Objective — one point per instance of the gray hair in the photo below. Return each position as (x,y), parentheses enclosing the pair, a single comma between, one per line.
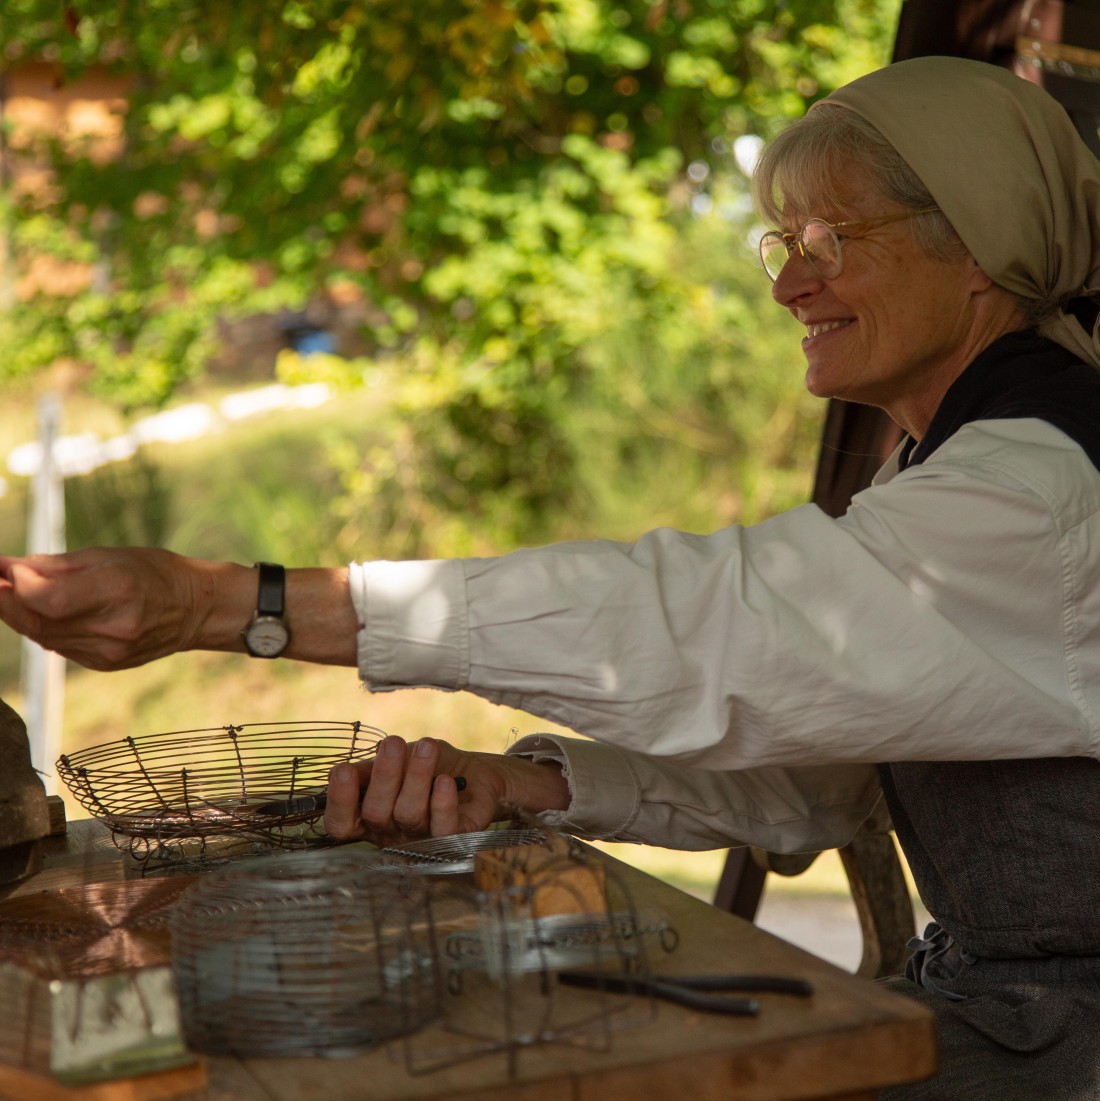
(807,163)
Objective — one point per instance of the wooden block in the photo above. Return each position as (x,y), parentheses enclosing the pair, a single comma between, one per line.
(55,808)
(18,1084)
(543,879)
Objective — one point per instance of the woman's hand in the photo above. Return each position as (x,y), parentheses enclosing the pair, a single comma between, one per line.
(112,608)
(116,607)
(408,792)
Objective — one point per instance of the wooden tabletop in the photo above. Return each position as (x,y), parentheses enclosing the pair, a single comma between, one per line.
(845,1041)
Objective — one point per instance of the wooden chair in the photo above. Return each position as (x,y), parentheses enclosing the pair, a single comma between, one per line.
(876,879)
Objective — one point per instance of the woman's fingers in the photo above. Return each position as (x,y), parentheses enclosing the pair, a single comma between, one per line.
(443,813)
(30,599)
(342,809)
(106,608)
(386,781)
(407,792)
(412,807)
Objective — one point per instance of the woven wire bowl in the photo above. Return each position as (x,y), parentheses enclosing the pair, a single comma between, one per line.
(189,786)
(309,953)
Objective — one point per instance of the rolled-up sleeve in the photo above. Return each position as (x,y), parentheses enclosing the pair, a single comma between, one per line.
(622,796)
(414,623)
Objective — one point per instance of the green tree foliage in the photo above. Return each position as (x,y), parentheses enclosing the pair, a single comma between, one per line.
(514,188)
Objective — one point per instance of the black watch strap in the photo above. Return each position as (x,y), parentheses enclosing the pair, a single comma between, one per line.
(272,589)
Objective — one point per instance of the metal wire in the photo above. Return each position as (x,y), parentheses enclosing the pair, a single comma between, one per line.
(95,929)
(501,949)
(304,954)
(160,792)
(85,984)
(454,854)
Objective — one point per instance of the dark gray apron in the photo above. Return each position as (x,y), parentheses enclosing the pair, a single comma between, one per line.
(1006,854)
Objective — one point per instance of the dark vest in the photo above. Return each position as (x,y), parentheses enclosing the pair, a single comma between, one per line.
(1006,854)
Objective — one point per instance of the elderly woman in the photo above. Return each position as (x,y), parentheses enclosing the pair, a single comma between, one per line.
(939,645)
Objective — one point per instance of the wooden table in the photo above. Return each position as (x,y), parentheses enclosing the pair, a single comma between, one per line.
(848,1039)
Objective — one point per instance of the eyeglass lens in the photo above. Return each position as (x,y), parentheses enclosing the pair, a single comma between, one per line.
(820,247)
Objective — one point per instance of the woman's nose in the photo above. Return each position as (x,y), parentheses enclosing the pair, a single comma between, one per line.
(796,280)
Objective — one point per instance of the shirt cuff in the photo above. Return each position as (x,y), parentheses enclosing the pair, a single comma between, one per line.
(414,620)
(605,794)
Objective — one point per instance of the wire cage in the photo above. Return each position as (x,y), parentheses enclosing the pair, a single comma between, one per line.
(167,794)
(537,903)
(325,953)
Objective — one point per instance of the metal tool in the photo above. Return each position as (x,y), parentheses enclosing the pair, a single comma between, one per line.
(313,804)
(706,993)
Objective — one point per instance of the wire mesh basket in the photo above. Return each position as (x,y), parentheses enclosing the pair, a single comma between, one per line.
(162,792)
(326,953)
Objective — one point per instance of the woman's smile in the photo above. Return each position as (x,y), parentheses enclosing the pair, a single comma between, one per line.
(817,329)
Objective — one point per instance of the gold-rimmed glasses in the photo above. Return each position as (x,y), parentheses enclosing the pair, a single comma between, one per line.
(819,243)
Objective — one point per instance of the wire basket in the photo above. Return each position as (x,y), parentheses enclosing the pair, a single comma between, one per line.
(163,792)
(531,908)
(304,954)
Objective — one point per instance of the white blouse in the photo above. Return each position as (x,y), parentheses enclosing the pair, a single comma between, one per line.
(739,685)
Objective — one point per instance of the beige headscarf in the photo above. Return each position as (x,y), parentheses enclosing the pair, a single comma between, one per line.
(1005,164)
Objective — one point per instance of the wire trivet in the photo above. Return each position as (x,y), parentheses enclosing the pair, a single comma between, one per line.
(324,953)
(454,854)
(94,929)
(160,793)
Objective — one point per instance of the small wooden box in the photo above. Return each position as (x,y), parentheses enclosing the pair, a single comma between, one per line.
(543,879)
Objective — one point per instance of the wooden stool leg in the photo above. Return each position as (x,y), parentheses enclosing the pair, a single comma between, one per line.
(741,884)
(882,901)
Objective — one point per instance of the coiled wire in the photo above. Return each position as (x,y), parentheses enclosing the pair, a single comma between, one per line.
(312,953)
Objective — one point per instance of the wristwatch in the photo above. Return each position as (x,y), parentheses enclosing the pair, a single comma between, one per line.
(268,633)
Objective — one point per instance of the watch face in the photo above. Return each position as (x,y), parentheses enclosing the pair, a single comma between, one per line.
(266,636)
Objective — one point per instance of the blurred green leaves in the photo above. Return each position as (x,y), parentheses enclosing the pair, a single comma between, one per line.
(503,185)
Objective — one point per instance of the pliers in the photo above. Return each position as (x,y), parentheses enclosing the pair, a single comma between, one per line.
(706,993)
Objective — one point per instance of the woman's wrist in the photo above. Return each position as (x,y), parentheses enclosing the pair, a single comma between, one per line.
(318,609)
(222,597)
(536,786)
(324,626)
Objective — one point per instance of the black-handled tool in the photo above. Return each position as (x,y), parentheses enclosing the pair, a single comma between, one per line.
(706,993)
(312,804)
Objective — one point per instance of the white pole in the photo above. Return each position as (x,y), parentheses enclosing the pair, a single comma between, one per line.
(44,671)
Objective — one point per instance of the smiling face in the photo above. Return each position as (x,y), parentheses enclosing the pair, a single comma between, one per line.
(897,326)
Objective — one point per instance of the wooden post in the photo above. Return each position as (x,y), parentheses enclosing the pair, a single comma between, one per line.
(7,259)
(43,671)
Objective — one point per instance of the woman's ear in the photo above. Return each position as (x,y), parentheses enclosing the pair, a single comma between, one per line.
(979,281)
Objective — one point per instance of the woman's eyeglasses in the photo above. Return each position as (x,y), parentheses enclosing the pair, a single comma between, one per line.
(819,243)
